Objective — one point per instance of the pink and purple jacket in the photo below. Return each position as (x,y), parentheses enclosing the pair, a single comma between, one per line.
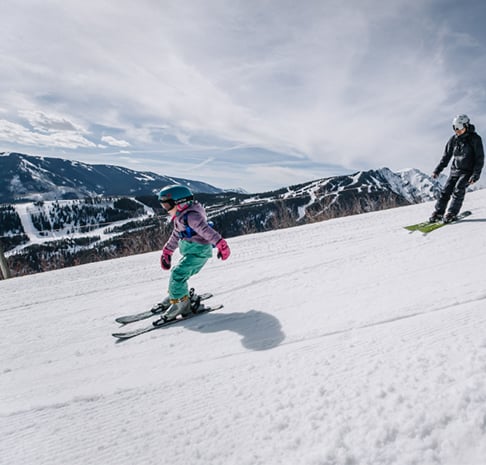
(195,216)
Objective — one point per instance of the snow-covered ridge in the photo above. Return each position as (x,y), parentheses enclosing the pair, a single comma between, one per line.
(28,178)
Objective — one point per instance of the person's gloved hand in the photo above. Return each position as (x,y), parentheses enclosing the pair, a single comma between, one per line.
(474,178)
(223,249)
(166,258)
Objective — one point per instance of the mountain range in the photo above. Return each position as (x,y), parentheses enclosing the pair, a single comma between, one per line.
(104,211)
(33,178)
(27,177)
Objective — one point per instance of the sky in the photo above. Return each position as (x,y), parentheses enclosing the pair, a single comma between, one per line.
(241,93)
(342,342)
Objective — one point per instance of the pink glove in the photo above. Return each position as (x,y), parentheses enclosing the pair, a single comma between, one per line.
(223,249)
(166,258)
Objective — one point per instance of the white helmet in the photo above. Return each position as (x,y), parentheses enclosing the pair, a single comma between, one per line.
(460,122)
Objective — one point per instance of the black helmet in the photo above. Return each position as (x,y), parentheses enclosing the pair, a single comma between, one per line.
(175,194)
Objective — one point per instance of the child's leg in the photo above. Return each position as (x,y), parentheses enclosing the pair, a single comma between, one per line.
(194,257)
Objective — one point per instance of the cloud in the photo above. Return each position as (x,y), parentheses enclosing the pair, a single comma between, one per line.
(203,163)
(115,142)
(358,84)
(49,123)
(44,130)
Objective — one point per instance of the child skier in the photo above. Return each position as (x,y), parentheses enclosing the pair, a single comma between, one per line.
(466,150)
(195,239)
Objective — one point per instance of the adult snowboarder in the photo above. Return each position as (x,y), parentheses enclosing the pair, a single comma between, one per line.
(195,239)
(465,147)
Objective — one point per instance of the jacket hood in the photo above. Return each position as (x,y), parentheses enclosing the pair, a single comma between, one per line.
(193,206)
(471,129)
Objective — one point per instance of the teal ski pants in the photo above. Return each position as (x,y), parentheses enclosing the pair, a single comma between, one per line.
(194,257)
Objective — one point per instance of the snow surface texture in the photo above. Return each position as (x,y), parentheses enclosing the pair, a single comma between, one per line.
(344,342)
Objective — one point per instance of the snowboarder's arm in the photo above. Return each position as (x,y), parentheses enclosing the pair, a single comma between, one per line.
(445,158)
(479,159)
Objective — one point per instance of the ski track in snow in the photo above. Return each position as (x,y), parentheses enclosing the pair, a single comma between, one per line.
(344,342)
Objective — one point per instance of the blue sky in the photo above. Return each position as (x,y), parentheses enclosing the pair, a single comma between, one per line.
(241,93)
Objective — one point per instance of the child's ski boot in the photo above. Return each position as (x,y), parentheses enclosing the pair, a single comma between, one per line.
(161,306)
(178,307)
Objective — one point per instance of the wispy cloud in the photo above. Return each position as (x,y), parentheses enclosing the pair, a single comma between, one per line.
(115,142)
(358,84)
(49,123)
(65,139)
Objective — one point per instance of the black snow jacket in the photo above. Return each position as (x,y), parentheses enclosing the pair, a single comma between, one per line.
(467,153)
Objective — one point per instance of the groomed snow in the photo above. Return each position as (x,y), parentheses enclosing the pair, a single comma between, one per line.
(346,342)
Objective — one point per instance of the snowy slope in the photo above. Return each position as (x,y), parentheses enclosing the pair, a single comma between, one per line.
(70,225)
(344,342)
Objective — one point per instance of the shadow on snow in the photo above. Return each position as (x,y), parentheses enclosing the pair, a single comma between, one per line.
(258,330)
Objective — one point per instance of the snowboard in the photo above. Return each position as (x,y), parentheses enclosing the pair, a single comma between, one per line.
(427,227)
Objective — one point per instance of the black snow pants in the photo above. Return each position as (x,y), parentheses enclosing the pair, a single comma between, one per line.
(454,187)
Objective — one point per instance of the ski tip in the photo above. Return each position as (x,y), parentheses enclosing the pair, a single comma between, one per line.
(120,337)
(210,308)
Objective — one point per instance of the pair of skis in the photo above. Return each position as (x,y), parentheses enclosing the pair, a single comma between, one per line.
(196,304)
(428,226)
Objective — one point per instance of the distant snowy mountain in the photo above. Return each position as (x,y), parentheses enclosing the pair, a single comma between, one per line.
(413,185)
(27,177)
(323,199)
(417,186)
